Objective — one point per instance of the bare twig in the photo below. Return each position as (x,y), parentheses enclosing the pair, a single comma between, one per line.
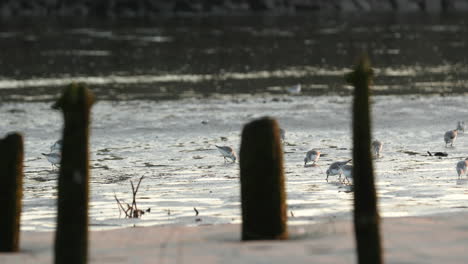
(132,211)
(121,206)
(138,185)
(134,195)
(133,188)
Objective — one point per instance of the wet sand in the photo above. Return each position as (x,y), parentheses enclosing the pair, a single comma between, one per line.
(173,143)
(431,239)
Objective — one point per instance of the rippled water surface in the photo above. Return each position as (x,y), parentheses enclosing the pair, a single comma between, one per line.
(170,89)
(176,57)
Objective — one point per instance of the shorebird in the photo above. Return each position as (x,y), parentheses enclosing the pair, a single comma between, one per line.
(450,137)
(282,134)
(335,168)
(296,89)
(377,147)
(461,167)
(461,126)
(312,156)
(57,146)
(227,152)
(347,172)
(53,158)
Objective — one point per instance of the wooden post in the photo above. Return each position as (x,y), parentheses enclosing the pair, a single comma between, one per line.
(71,238)
(262,182)
(11,191)
(366,216)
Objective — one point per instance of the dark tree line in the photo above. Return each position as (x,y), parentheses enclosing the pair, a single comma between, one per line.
(141,8)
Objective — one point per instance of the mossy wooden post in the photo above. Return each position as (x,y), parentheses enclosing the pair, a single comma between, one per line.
(71,237)
(262,182)
(366,216)
(11,191)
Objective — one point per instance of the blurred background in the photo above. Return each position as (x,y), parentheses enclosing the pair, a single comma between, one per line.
(132,49)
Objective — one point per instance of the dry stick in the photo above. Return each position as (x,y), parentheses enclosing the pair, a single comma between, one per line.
(366,217)
(263,193)
(138,185)
(71,237)
(133,200)
(11,191)
(121,206)
(134,212)
(138,212)
(135,191)
(129,208)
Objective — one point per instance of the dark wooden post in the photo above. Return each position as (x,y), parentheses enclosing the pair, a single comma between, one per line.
(11,191)
(71,238)
(366,216)
(262,182)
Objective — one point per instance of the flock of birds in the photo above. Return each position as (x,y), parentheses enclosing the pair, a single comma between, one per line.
(340,168)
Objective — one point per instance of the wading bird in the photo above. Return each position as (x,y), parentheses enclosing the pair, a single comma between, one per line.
(227,152)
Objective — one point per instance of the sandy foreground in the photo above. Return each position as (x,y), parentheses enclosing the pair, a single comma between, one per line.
(429,239)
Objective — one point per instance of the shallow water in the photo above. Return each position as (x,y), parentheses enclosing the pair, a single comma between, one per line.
(171,143)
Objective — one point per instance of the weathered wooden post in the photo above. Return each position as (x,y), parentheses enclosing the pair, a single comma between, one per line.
(263,194)
(11,191)
(366,216)
(71,238)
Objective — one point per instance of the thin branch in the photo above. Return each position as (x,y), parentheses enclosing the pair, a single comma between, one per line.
(133,188)
(135,191)
(132,210)
(138,186)
(120,205)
